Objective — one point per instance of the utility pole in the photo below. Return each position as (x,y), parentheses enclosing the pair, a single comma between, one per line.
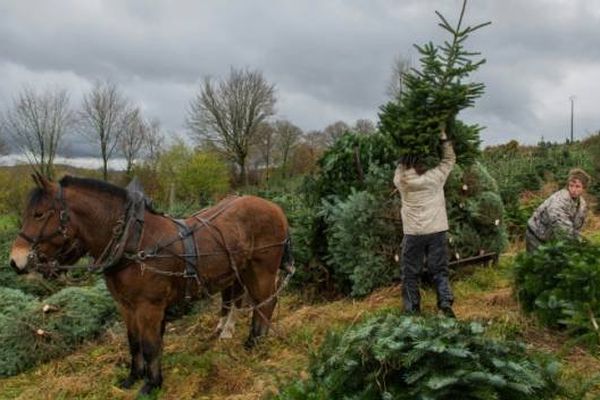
(572,99)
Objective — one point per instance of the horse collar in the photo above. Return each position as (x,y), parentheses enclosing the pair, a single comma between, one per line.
(126,235)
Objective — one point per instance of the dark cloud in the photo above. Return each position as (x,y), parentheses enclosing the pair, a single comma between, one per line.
(330,60)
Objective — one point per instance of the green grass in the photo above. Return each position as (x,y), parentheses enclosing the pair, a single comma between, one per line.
(8,222)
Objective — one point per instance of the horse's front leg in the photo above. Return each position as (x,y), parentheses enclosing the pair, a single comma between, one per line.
(151,323)
(136,370)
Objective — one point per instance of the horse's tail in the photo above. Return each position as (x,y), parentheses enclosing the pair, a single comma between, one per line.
(287,259)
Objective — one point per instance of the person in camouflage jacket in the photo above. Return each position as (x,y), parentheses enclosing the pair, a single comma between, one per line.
(563,213)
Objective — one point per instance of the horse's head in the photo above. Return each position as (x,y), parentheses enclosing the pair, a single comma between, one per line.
(48,235)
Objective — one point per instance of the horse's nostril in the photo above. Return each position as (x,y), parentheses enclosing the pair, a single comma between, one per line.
(14,266)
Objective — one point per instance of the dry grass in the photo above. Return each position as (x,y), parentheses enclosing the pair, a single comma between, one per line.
(198,367)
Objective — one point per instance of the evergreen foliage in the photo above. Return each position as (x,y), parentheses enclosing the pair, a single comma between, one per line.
(399,357)
(560,283)
(475,212)
(356,236)
(520,171)
(32,331)
(303,222)
(353,192)
(592,146)
(433,96)
(346,164)
(359,249)
(31,284)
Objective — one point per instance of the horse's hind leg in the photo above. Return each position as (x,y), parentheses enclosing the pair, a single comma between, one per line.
(230,300)
(261,321)
(261,283)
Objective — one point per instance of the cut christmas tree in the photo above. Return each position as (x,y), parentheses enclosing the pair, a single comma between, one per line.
(434,95)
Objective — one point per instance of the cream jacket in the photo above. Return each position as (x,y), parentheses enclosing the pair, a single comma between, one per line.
(423,201)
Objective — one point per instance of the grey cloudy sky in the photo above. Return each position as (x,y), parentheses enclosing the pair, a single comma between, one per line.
(329,59)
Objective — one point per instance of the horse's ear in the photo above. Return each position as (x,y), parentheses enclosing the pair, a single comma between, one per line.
(43,182)
(36,180)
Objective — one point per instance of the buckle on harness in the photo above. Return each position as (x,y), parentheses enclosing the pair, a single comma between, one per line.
(141,255)
(189,273)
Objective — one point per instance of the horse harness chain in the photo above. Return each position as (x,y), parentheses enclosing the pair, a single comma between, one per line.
(191,255)
(126,240)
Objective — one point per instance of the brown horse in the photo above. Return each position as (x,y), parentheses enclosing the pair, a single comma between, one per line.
(150,261)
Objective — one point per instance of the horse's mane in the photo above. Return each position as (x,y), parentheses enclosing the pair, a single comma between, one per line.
(35,196)
(94,184)
(103,187)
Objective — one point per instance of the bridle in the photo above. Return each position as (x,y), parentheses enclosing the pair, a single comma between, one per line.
(63,219)
(68,246)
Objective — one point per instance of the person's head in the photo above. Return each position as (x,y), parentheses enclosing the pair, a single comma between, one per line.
(411,161)
(577,182)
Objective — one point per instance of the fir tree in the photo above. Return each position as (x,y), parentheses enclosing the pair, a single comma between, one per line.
(434,95)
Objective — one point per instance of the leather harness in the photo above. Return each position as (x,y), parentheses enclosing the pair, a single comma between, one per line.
(127,235)
(190,253)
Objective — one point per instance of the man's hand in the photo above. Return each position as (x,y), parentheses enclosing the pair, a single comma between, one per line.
(443,135)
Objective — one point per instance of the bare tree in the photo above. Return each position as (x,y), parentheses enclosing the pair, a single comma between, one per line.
(287,136)
(229,112)
(334,131)
(364,126)
(400,67)
(315,140)
(265,143)
(3,145)
(37,123)
(104,119)
(133,138)
(154,142)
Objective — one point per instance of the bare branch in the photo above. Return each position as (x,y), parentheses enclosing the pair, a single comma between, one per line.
(287,137)
(134,137)
(104,118)
(37,122)
(227,113)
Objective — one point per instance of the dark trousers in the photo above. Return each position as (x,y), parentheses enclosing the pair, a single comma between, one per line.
(415,248)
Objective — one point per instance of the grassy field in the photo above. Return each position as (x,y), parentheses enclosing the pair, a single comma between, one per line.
(197,366)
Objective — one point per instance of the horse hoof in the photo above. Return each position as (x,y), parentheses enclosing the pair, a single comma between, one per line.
(147,390)
(127,383)
(226,334)
(250,343)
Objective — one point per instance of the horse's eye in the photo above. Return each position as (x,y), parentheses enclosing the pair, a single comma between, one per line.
(38,215)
